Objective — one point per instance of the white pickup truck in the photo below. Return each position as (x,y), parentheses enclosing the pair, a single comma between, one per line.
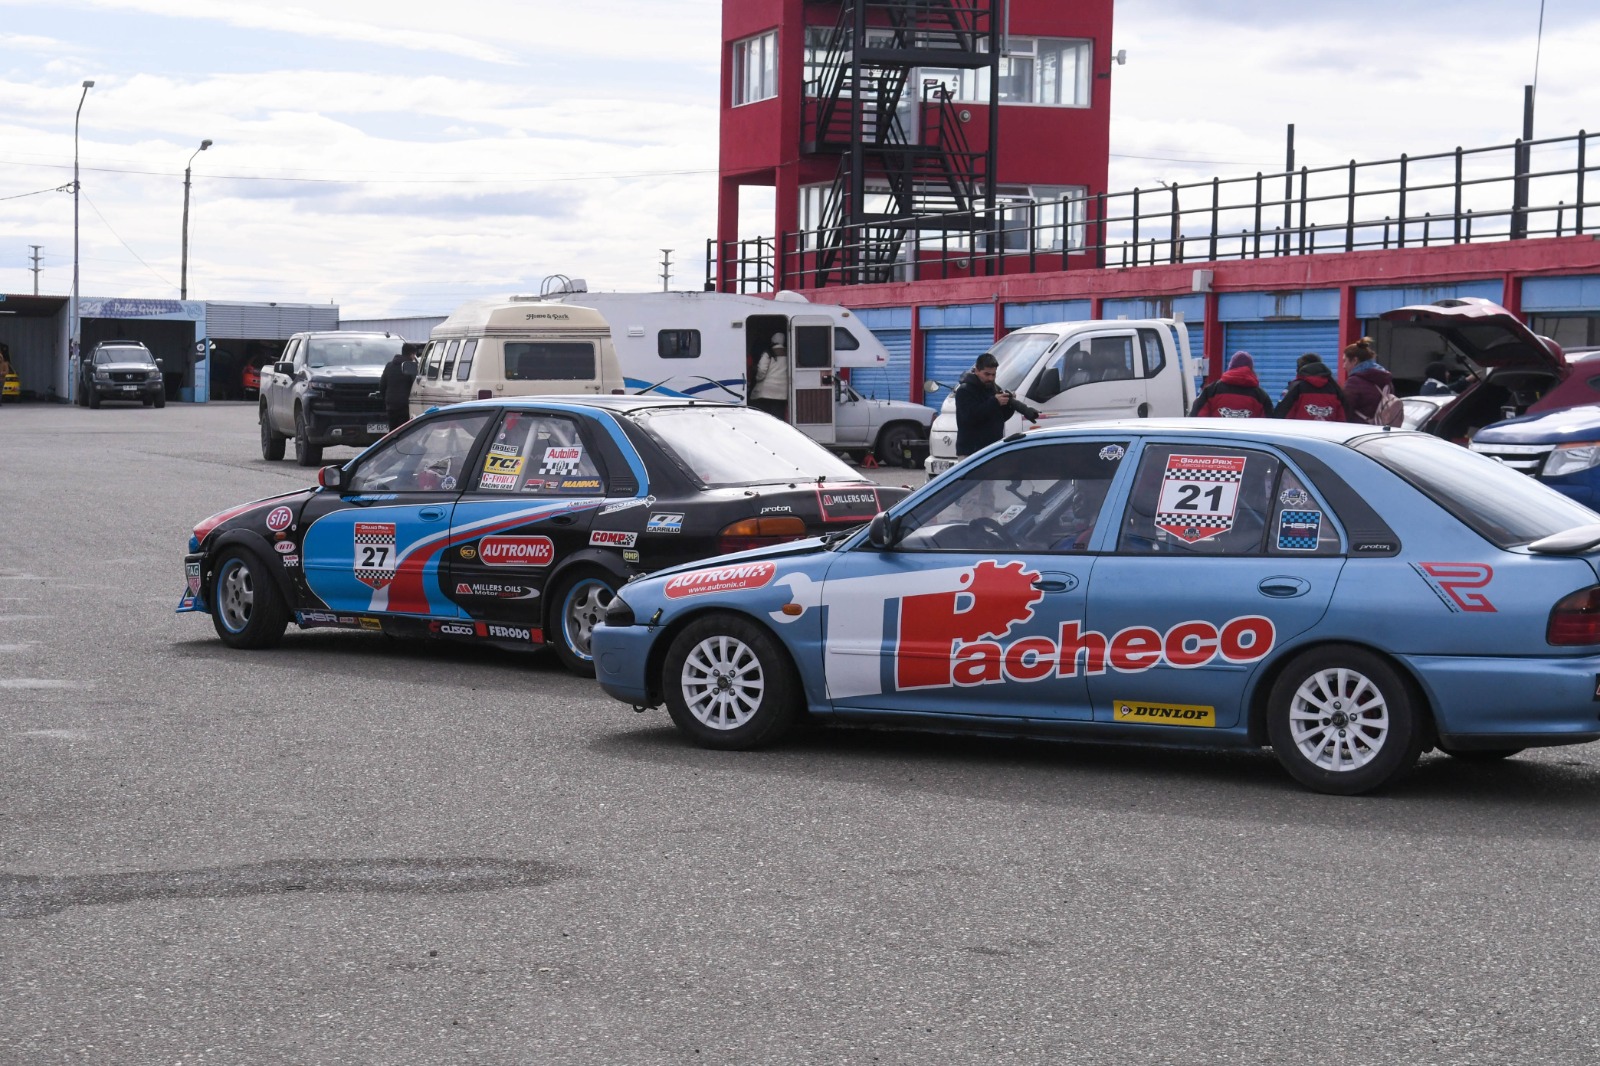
(1081,371)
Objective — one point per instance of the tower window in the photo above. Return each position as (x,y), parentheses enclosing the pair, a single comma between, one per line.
(755,68)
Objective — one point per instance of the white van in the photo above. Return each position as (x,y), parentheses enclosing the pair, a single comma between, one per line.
(1078,371)
(516,346)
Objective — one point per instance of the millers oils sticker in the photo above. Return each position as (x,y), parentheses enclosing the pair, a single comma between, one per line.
(375,553)
(1163,714)
(1199,495)
(853,503)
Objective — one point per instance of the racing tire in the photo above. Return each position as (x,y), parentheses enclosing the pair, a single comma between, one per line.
(730,685)
(92,399)
(892,440)
(1342,721)
(305,453)
(272,441)
(1483,754)
(247,610)
(579,605)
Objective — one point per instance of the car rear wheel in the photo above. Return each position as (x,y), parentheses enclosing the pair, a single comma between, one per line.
(581,604)
(305,453)
(247,609)
(1342,721)
(892,442)
(272,441)
(729,684)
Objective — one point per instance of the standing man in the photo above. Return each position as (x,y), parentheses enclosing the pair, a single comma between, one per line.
(771,390)
(983,408)
(395,384)
(1236,394)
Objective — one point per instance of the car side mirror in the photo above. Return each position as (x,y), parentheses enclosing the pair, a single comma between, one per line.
(331,477)
(283,368)
(884,532)
(931,386)
(161,364)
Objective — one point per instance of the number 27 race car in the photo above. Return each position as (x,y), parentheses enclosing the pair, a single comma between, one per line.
(516,523)
(1347,596)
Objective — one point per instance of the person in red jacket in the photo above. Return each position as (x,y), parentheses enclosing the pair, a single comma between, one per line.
(1364,381)
(1313,395)
(1236,394)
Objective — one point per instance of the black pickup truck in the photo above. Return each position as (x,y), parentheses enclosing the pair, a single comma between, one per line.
(324,391)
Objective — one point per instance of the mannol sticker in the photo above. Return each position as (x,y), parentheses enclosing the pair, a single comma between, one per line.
(1163,713)
(720,579)
(516,551)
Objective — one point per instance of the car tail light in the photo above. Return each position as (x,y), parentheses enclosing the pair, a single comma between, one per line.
(759,532)
(1575,619)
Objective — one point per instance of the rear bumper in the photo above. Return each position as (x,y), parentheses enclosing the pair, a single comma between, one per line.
(1488,702)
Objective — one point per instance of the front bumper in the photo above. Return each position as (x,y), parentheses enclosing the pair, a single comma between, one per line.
(935,465)
(193,598)
(620,657)
(128,390)
(358,429)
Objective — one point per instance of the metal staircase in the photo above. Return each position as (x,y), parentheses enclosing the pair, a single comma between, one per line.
(929,179)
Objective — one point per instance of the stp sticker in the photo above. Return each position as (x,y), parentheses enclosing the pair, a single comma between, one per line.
(1163,714)
(611,538)
(279,519)
(516,551)
(1199,495)
(720,579)
(375,555)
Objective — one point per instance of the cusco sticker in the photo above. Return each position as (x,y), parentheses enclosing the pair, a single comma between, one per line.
(375,554)
(1299,531)
(720,579)
(279,519)
(1199,495)
(1163,714)
(1454,583)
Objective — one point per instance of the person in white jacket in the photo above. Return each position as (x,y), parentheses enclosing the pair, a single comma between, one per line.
(771,390)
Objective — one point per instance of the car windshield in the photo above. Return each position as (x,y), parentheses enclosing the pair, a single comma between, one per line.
(1503,506)
(123,355)
(351,351)
(1017,354)
(727,445)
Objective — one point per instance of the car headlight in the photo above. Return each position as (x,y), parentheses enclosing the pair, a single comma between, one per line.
(1572,459)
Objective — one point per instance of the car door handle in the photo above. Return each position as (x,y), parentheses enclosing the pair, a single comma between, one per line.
(561,520)
(1055,582)
(431,514)
(1284,588)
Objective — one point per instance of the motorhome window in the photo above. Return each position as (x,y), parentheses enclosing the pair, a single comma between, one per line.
(811,347)
(449,360)
(844,340)
(351,351)
(464,364)
(550,361)
(1155,356)
(723,445)
(1017,354)
(678,344)
(435,353)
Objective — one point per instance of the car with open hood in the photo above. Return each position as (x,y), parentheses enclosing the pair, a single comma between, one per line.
(515,522)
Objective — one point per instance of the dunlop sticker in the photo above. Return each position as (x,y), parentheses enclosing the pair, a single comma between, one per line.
(1163,714)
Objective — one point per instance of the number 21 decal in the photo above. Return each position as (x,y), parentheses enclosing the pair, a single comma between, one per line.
(1199,495)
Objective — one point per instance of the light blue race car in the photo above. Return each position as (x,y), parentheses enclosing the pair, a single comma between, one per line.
(1351,597)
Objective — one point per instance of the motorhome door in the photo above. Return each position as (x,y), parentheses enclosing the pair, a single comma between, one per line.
(811,377)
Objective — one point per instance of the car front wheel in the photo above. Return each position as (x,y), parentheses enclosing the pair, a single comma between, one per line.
(305,453)
(247,609)
(580,605)
(91,397)
(729,684)
(1342,721)
(271,440)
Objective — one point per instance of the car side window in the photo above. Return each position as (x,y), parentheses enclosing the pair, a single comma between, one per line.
(435,353)
(426,456)
(449,360)
(1300,525)
(1155,356)
(1062,371)
(299,356)
(1112,358)
(541,455)
(469,347)
(1200,500)
(1043,499)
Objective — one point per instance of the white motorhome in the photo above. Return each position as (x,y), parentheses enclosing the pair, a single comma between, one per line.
(1082,371)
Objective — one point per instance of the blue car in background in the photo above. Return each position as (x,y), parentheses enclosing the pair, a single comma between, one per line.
(1351,597)
(1558,440)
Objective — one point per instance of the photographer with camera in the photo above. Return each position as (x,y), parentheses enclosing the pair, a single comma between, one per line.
(982,408)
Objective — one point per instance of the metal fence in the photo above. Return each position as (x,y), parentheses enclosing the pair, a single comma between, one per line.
(1536,188)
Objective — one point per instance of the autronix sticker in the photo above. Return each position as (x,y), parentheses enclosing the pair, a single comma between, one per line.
(720,579)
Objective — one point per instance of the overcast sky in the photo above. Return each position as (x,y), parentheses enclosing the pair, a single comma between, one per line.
(398,158)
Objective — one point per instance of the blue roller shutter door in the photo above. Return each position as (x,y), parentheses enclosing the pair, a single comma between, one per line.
(1275,346)
(891,382)
(949,353)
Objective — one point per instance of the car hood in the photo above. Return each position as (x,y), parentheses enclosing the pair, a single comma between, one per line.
(1484,332)
(125,366)
(347,373)
(1552,427)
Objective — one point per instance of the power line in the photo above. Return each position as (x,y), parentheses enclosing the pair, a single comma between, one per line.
(124,243)
(59,188)
(377,181)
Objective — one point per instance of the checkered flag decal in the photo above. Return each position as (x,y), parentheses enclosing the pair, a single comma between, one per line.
(374,543)
(1213,475)
(1308,520)
(560,462)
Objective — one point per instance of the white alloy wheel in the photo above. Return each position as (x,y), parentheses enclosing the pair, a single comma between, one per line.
(722,682)
(1339,719)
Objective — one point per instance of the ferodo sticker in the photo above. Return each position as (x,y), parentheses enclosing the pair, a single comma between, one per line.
(559,461)
(1163,714)
(516,551)
(611,538)
(1199,495)
(279,519)
(720,579)
(854,503)
(374,553)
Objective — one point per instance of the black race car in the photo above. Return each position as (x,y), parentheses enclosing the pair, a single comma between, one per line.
(515,522)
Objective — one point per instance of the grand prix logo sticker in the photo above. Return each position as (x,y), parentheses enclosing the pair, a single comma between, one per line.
(720,579)
(375,555)
(1454,583)
(1199,495)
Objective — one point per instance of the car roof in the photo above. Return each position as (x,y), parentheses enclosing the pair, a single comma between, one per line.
(1263,430)
(120,344)
(617,404)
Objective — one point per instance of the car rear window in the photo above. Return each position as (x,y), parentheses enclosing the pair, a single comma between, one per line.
(549,361)
(1503,506)
(726,445)
(351,351)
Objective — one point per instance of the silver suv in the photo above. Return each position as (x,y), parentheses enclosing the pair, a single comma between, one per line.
(121,370)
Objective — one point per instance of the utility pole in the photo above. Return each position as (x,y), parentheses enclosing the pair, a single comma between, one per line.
(35,258)
(1288,185)
(666,269)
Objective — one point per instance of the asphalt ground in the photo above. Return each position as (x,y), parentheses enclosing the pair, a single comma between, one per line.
(353,850)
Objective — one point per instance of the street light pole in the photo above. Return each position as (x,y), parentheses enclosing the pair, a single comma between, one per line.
(183,278)
(75,326)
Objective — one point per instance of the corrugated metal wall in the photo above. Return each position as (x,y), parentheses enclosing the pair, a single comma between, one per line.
(413,328)
(949,353)
(892,382)
(232,321)
(1275,346)
(33,343)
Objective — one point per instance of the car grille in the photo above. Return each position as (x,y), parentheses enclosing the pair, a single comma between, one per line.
(350,399)
(131,377)
(1528,458)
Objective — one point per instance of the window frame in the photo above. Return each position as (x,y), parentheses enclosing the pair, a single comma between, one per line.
(765,45)
(679,350)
